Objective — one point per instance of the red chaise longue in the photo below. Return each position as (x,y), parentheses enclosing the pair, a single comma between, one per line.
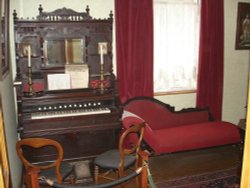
(170,131)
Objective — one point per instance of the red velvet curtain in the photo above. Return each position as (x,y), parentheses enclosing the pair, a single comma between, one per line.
(211,57)
(134,47)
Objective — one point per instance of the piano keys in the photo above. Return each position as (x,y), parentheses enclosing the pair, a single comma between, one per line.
(69,109)
(69,113)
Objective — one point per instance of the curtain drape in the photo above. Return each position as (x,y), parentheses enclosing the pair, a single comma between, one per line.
(134,47)
(211,65)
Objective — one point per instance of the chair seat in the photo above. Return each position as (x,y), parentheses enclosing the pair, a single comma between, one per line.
(111,160)
(65,169)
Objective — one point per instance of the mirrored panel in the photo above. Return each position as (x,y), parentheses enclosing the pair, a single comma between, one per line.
(58,52)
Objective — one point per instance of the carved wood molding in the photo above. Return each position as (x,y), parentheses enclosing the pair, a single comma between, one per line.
(63,14)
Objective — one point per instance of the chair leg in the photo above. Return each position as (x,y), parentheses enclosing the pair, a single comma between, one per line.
(137,182)
(137,178)
(120,173)
(96,174)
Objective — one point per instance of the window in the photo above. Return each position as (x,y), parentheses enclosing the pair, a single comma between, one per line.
(176,39)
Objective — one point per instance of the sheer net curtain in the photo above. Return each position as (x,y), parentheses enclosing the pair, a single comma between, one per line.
(176,34)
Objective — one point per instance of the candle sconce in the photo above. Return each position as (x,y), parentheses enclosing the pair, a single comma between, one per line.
(27,53)
(102,50)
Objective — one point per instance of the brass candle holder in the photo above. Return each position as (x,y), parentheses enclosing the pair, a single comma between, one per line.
(27,52)
(102,79)
(30,82)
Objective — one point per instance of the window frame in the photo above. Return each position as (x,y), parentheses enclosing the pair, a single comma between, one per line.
(183,91)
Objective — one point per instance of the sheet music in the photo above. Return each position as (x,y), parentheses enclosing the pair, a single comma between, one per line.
(79,74)
(58,81)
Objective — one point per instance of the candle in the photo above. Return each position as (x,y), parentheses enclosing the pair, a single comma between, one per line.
(29,55)
(101,54)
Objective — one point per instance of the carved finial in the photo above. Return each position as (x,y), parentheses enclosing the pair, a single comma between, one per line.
(14,14)
(87,9)
(40,9)
(111,15)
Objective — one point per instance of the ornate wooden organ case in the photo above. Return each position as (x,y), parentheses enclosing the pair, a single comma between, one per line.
(66,89)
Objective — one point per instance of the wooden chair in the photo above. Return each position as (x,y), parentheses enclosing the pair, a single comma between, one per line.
(33,174)
(119,160)
(55,170)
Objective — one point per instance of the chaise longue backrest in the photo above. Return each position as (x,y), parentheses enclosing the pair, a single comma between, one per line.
(158,115)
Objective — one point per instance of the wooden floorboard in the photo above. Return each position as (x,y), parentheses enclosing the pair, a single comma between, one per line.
(188,163)
(181,164)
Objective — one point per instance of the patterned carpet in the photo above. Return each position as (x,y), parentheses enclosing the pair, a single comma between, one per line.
(220,179)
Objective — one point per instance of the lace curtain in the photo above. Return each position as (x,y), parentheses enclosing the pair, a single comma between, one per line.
(176,39)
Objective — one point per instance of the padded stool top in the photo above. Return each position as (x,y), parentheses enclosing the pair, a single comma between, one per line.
(111,160)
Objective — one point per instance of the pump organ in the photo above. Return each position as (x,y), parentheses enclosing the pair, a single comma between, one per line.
(86,121)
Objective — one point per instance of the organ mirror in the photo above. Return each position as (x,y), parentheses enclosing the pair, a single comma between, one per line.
(64,51)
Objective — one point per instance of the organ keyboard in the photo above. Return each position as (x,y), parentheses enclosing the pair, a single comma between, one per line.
(69,113)
(69,109)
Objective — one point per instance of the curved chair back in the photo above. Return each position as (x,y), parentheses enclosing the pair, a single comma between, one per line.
(135,148)
(39,143)
(119,160)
